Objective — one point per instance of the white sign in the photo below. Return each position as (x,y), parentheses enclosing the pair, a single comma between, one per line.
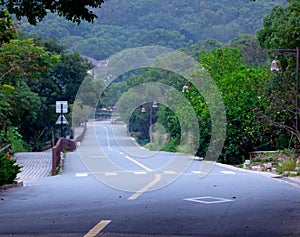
(61,120)
(62,106)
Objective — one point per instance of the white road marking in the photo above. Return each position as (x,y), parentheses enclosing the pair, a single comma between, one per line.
(140,172)
(169,172)
(81,174)
(198,172)
(227,172)
(111,173)
(208,200)
(107,138)
(96,157)
(97,228)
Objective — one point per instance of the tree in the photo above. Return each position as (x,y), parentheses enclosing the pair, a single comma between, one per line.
(35,74)
(36,10)
(197,48)
(61,82)
(69,74)
(7,28)
(22,65)
(253,54)
(21,60)
(122,24)
(281,28)
(281,31)
(241,89)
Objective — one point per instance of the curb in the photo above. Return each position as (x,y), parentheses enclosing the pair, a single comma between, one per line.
(280,178)
(18,183)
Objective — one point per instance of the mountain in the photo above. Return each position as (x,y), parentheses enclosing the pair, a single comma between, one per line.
(125,24)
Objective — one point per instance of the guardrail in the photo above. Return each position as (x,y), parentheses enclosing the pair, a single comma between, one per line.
(64,144)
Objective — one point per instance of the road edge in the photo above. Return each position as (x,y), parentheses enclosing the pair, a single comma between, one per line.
(288,180)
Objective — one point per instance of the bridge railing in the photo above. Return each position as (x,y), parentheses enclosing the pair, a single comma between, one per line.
(64,144)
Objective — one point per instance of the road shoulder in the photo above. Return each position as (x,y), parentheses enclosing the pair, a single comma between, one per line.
(293,181)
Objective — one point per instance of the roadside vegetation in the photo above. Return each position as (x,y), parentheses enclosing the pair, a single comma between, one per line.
(8,169)
(38,70)
(260,104)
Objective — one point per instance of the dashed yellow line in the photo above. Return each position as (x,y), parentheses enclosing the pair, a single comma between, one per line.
(138,163)
(146,188)
(97,228)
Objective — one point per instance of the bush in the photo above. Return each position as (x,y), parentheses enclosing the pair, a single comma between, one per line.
(8,170)
(287,165)
(171,146)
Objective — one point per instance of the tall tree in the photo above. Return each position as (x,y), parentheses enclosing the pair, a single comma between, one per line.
(21,65)
(36,10)
(7,27)
(253,54)
(281,30)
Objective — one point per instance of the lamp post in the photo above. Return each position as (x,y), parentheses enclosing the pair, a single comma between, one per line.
(276,67)
(143,110)
(185,88)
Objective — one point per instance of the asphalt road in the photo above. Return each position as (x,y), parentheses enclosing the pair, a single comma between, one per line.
(111,187)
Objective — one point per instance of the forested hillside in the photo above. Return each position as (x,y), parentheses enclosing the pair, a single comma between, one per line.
(226,36)
(173,23)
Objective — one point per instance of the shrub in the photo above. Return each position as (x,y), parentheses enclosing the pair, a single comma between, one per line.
(287,165)
(8,170)
(171,146)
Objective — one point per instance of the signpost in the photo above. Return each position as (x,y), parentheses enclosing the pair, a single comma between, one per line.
(61,108)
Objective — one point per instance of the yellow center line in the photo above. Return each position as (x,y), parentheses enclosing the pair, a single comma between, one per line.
(146,188)
(138,163)
(97,228)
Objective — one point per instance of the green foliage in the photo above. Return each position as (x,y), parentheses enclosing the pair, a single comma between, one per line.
(81,114)
(287,165)
(14,138)
(35,11)
(241,89)
(7,28)
(69,73)
(169,23)
(171,145)
(21,60)
(253,54)
(281,27)
(262,160)
(8,170)
(35,74)
(281,31)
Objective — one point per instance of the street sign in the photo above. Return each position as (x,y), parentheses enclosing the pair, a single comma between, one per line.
(61,107)
(61,120)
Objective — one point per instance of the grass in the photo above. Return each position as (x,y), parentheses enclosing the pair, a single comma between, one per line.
(58,170)
(287,165)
